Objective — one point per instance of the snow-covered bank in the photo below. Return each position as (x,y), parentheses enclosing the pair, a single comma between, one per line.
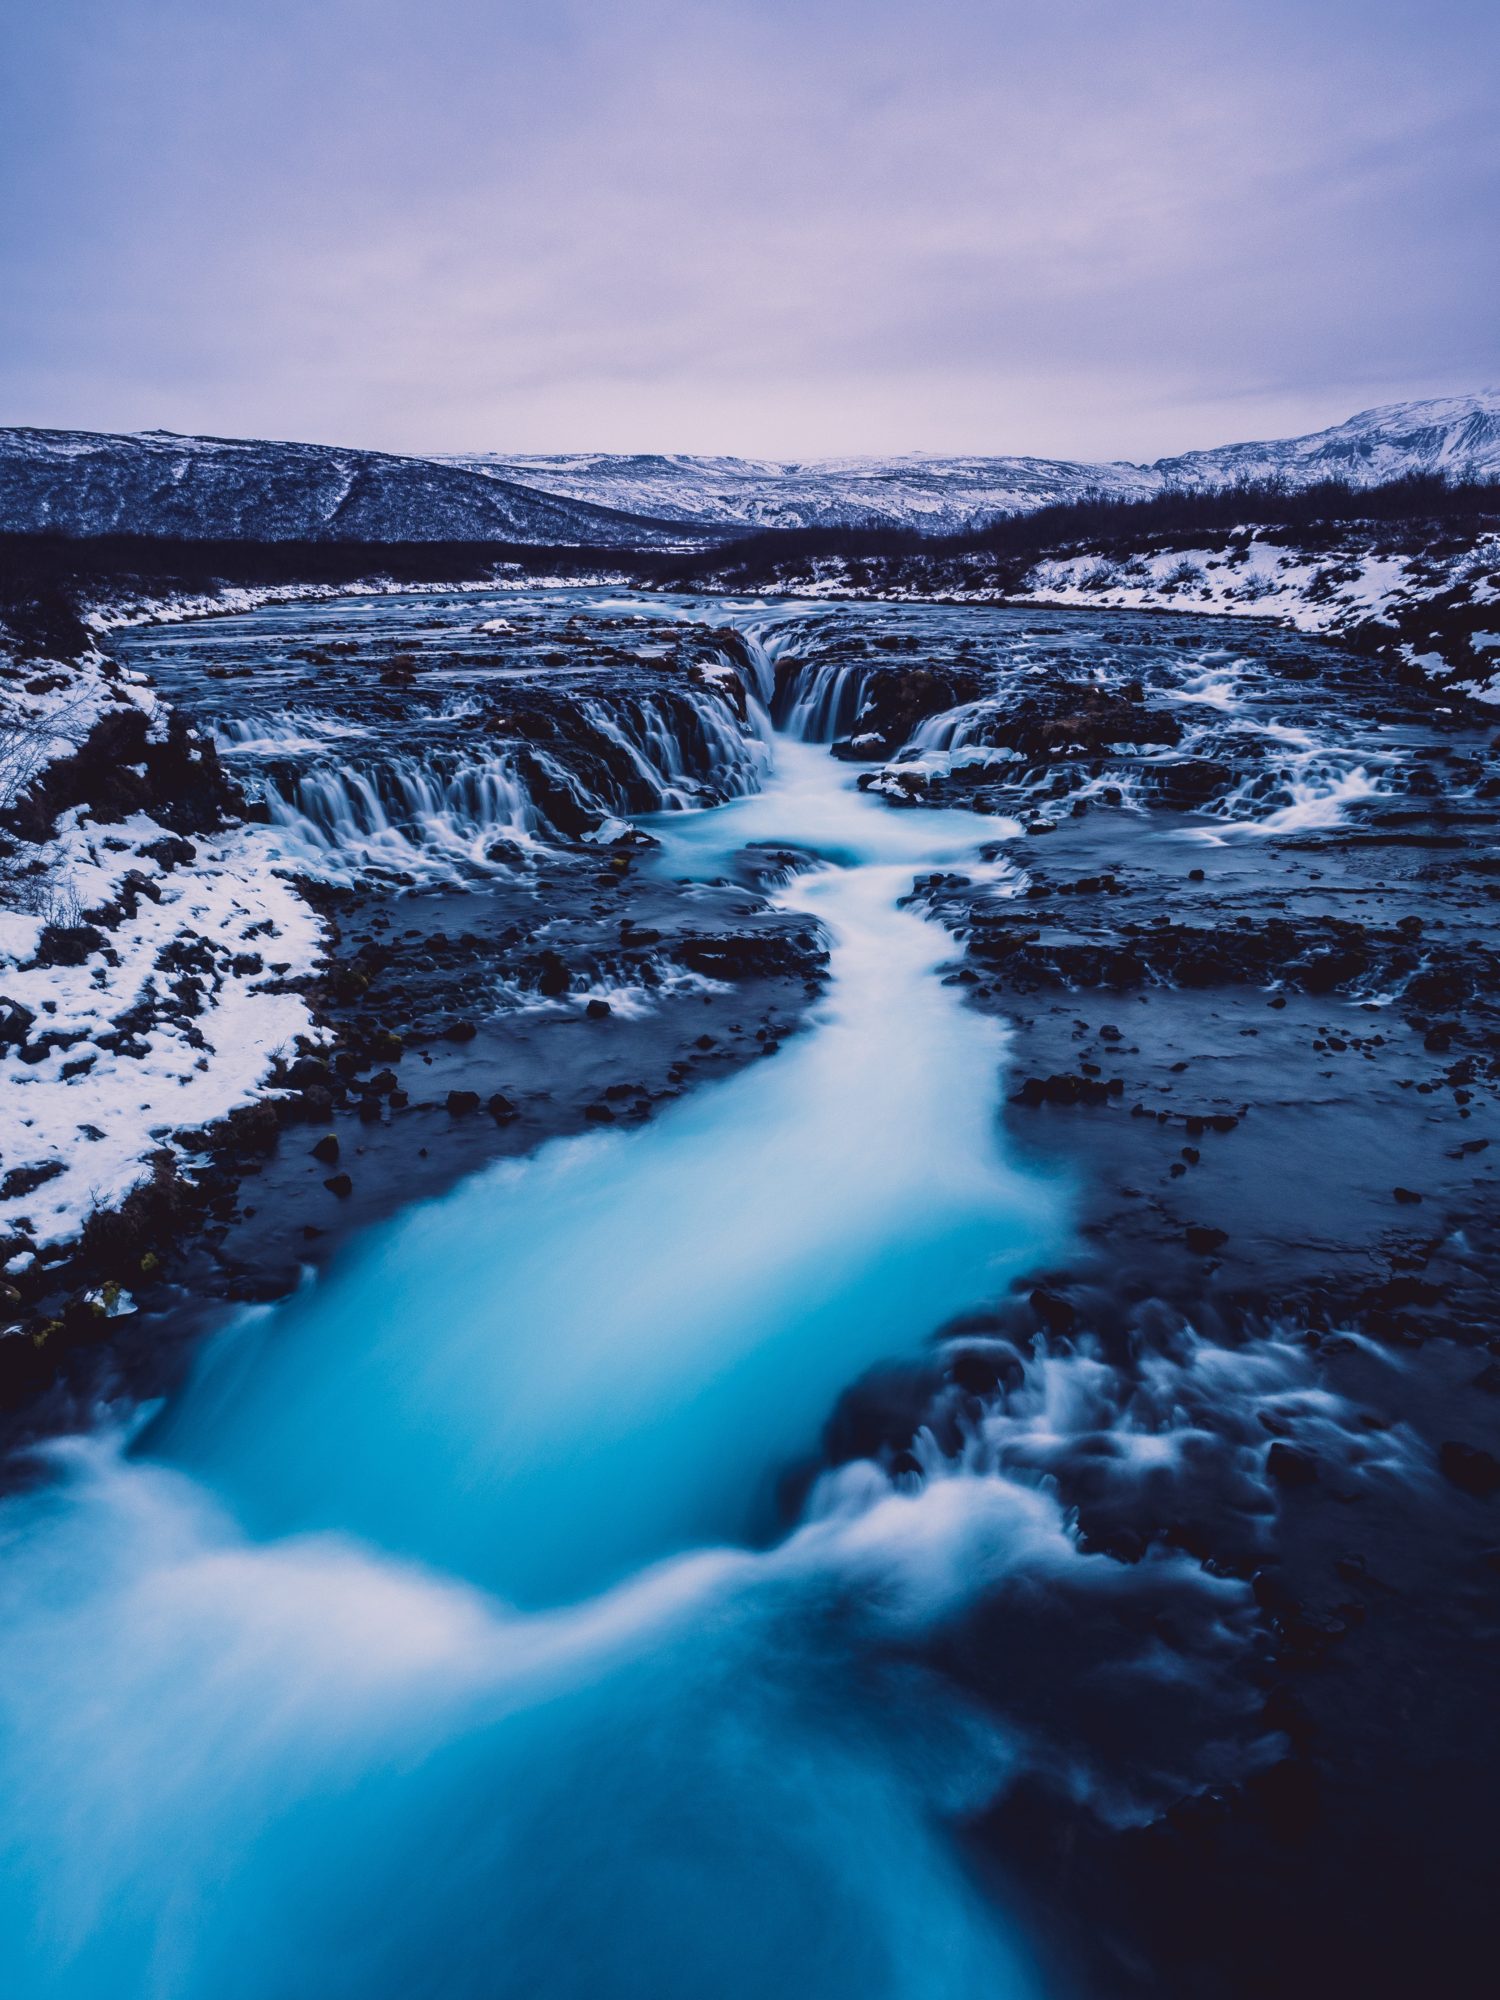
(1428,597)
(1359,587)
(147,947)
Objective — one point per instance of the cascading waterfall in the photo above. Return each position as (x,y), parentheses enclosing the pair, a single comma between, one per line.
(951,729)
(407,812)
(819,701)
(444,813)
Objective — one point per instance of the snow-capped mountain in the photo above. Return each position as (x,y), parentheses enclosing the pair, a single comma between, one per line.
(1458,435)
(934,495)
(156,483)
(1455,435)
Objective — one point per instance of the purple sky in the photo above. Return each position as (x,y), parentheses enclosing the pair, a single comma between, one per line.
(794,228)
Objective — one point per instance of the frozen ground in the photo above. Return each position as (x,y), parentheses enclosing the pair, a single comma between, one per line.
(145,976)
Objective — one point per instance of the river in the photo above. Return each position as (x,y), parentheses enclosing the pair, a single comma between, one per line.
(597,1580)
(437,1641)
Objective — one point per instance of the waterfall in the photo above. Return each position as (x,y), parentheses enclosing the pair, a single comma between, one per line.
(447,812)
(419,815)
(820,700)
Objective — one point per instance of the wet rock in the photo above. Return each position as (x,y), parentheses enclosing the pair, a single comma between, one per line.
(326,1149)
(1289,1465)
(340,1185)
(462,1103)
(1056,1313)
(1203,1238)
(553,977)
(501,1109)
(1470,1468)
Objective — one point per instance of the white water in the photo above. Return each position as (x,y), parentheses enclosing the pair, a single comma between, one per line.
(441,814)
(393,1670)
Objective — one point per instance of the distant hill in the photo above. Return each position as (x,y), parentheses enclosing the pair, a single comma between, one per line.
(83,483)
(1459,435)
(86,484)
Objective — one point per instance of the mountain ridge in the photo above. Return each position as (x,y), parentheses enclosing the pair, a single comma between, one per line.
(948,493)
(171,485)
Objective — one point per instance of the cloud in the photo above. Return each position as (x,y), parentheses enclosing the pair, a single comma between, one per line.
(1076,227)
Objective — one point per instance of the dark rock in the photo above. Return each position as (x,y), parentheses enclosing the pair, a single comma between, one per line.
(16,1023)
(553,977)
(26,1180)
(339,1184)
(68,944)
(326,1149)
(1288,1465)
(171,851)
(1055,1312)
(462,1103)
(1203,1238)
(1470,1468)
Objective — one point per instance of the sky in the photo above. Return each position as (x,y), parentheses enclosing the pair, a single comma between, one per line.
(789,228)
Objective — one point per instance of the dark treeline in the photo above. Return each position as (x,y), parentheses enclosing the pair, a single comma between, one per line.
(44,577)
(1459,506)
(159,562)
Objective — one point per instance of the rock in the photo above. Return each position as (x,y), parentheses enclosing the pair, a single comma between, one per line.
(501,1109)
(1055,1312)
(67,944)
(752,955)
(458,1031)
(16,1023)
(598,1010)
(171,851)
(339,1184)
(1203,1237)
(26,1180)
(553,977)
(1406,1195)
(981,1371)
(326,1150)
(1288,1465)
(462,1103)
(1470,1468)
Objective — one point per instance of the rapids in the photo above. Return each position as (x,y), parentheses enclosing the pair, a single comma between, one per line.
(439,1640)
